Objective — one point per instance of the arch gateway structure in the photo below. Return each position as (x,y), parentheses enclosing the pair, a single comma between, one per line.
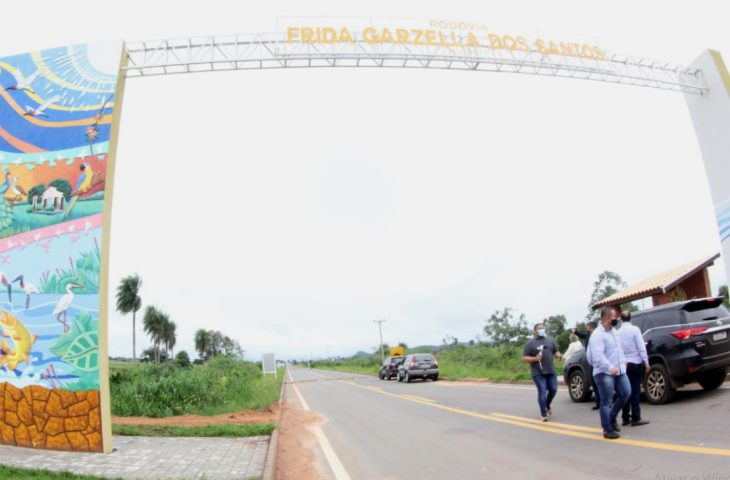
(59,117)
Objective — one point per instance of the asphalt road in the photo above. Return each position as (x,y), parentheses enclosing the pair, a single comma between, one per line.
(445,430)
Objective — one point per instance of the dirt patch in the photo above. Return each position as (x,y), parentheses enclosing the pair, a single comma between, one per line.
(268,415)
(295,457)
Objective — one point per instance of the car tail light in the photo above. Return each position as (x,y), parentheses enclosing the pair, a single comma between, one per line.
(693,368)
(685,334)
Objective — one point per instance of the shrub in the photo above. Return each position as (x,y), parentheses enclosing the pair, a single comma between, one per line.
(182,359)
(165,389)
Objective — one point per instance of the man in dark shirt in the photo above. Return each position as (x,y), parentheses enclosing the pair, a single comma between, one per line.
(587,337)
(539,353)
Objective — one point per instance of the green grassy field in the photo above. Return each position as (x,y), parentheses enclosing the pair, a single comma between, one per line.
(221,385)
(455,363)
(223,430)
(119,365)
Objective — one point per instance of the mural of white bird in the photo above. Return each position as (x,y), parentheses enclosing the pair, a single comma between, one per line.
(23,83)
(40,111)
(64,303)
(18,191)
(27,288)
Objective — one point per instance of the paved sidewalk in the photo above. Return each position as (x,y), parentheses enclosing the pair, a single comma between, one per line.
(155,458)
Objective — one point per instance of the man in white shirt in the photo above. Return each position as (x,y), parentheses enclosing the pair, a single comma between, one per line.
(637,363)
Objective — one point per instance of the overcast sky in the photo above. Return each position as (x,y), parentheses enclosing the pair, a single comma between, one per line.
(291,208)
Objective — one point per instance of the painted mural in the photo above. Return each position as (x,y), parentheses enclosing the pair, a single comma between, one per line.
(55,121)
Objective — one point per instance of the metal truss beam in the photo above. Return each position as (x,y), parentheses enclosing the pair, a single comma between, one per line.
(263,51)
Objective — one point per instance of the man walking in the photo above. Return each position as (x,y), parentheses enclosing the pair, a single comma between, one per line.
(637,362)
(609,370)
(539,353)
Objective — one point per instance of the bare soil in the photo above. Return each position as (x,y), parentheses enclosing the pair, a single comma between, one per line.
(295,457)
(244,417)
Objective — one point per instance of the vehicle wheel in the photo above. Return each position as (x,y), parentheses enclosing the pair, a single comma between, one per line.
(712,380)
(657,385)
(435,377)
(577,388)
(408,377)
(381,376)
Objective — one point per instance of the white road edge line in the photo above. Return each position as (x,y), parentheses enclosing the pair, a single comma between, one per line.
(329,453)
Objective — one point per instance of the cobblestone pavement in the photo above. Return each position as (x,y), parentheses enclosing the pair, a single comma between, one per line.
(155,458)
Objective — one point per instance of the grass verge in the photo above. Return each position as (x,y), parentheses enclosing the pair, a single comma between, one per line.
(15,473)
(224,430)
(220,385)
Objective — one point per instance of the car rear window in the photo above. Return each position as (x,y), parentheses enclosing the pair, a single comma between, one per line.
(711,313)
(427,357)
(665,318)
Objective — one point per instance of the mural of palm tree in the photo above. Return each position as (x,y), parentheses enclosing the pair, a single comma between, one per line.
(154,324)
(203,342)
(128,300)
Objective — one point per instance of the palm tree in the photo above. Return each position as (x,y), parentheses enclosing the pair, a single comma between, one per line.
(202,343)
(169,336)
(154,321)
(128,300)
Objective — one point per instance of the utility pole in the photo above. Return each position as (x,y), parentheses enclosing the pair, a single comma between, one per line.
(380,327)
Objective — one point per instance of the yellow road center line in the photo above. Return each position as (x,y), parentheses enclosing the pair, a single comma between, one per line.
(420,398)
(569,426)
(545,427)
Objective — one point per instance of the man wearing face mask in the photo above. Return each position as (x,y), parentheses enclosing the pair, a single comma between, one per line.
(539,353)
(606,355)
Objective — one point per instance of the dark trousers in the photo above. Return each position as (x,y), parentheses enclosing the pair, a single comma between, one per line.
(632,409)
(547,387)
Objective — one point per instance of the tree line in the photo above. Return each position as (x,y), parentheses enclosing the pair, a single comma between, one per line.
(163,331)
(507,327)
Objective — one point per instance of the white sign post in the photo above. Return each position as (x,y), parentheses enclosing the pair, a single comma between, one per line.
(268,363)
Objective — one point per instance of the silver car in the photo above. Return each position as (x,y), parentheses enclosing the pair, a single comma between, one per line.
(418,365)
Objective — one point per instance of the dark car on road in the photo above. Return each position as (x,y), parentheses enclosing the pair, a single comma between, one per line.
(389,368)
(418,365)
(686,342)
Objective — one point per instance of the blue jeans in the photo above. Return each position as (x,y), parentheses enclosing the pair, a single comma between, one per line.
(547,387)
(607,386)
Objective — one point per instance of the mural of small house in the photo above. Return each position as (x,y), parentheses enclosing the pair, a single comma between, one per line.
(51,199)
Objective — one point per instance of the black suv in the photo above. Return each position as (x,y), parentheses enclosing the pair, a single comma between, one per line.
(686,342)
(389,368)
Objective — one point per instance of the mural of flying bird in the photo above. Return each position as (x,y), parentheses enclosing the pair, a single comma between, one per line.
(41,110)
(23,83)
(82,185)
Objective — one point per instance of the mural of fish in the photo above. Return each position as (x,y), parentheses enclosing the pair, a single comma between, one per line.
(14,329)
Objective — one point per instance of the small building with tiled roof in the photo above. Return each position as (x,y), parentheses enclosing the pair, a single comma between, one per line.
(690,278)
